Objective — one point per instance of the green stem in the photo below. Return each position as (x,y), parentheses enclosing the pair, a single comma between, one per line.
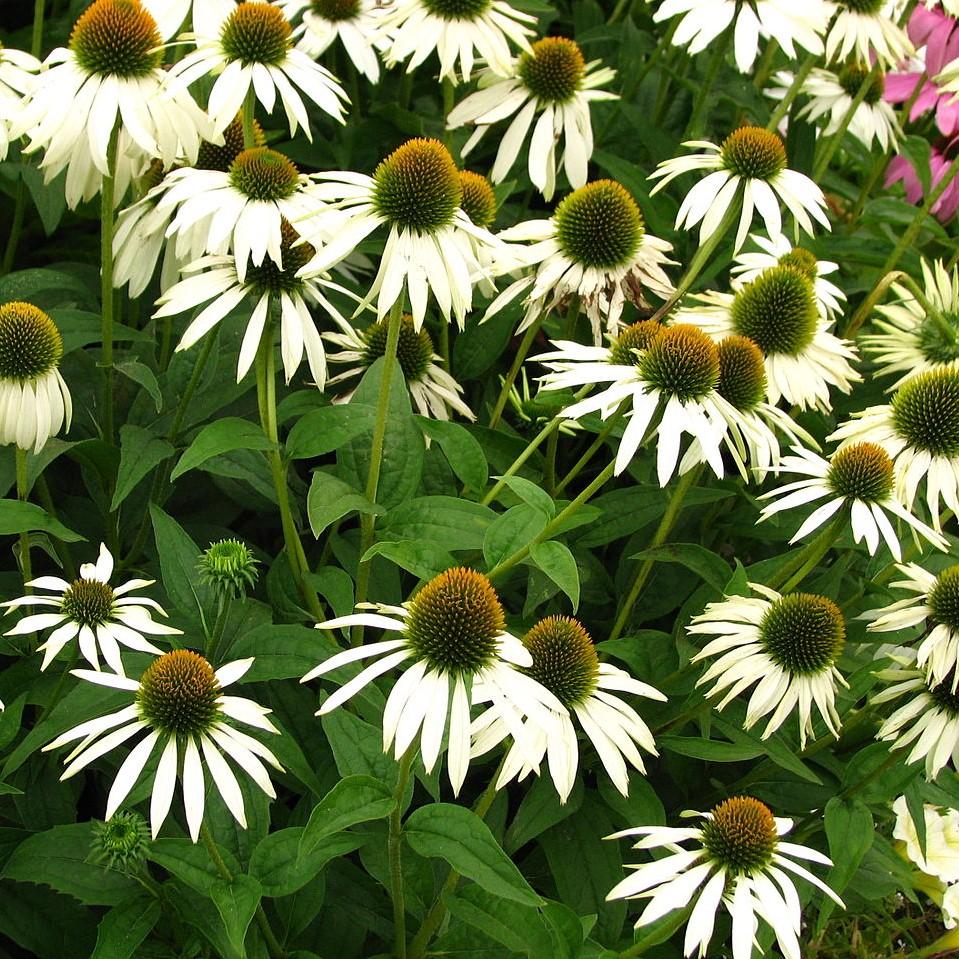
(36,38)
(266,400)
(46,500)
(273,946)
(554,524)
(219,628)
(875,175)
(787,101)
(192,385)
(20,456)
(686,482)
(16,226)
(367,521)
(705,91)
(832,144)
(395,847)
(867,305)
(514,369)
(106,281)
(618,11)
(549,478)
(806,559)
(593,448)
(247,117)
(551,427)
(765,68)
(449,101)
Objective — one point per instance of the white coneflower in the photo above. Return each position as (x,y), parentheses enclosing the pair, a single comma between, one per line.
(110,80)
(17,74)
(737,860)
(778,311)
(34,399)
(355,23)
(831,94)
(934,604)
(434,392)
(788,24)
(565,663)
(268,286)
(102,618)
(778,251)
(857,478)
(179,703)
(787,646)
(140,240)
(452,640)
(868,29)
(669,376)
(919,429)
(432,246)
(460,31)
(595,246)
(928,721)
(553,80)
(914,340)
(749,170)
(251,49)
(239,211)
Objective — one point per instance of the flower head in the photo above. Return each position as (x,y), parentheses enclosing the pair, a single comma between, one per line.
(99,616)
(737,858)
(554,81)
(564,661)
(477,199)
(938,855)
(17,75)
(122,842)
(868,29)
(787,645)
(180,704)
(749,170)
(453,638)
(229,566)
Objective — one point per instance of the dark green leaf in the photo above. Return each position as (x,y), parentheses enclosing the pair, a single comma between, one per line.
(223,436)
(461,449)
(352,800)
(419,557)
(557,562)
(17,517)
(140,452)
(512,531)
(331,499)
(125,926)
(444,520)
(704,563)
(325,430)
(710,749)
(236,903)
(178,561)
(143,376)
(281,868)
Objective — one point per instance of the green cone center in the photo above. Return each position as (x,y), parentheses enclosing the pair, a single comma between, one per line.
(564,659)
(802,633)
(414,348)
(88,602)
(256,33)
(852,76)
(457,9)
(263,174)
(553,70)
(599,225)
(178,694)
(753,153)
(336,9)
(117,38)
(741,835)
(478,201)
(626,349)
(862,471)
(925,412)
(682,361)
(777,311)
(944,599)
(30,343)
(742,373)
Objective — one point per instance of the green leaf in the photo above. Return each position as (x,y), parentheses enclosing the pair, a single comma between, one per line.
(511,531)
(17,517)
(45,288)
(331,499)
(57,858)
(781,754)
(178,561)
(140,452)
(461,449)
(419,557)
(236,903)
(557,562)
(224,436)
(143,376)
(704,563)
(540,810)
(352,800)
(532,494)
(190,862)
(125,926)
(458,836)
(710,749)
(323,431)
(455,524)
(518,927)
(281,868)
(49,198)
(850,832)
(357,746)
(280,652)
(916,149)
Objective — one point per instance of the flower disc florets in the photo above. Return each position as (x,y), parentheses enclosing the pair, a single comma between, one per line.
(268,277)
(457,9)
(625,350)
(263,174)
(212,156)
(178,693)
(417,187)
(945,695)
(741,835)
(799,258)
(742,373)
(599,225)
(553,70)
(852,76)
(229,566)
(803,633)
(479,201)
(939,342)
(122,842)
(777,311)
(862,471)
(753,153)
(336,9)
(564,658)
(256,33)
(925,412)
(455,622)
(944,599)
(682,361)
(30,343)
(414,349)
(88,602)
(117,37)
(868,7)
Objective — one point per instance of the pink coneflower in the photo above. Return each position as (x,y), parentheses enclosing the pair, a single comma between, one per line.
(941,155)
(939,34)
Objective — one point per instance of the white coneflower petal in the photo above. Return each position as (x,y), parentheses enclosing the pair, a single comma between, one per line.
(868,28)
